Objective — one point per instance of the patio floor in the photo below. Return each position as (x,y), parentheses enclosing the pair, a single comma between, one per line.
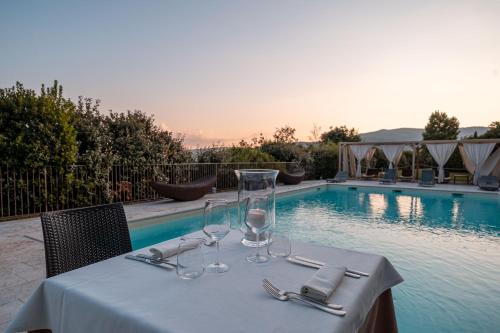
(22,261)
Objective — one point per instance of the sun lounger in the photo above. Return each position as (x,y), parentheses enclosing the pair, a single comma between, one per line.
(185,192)
(291,178)
(389,177)
(340,177)
(488,183)
(371,173)
(406,175)
(427,178)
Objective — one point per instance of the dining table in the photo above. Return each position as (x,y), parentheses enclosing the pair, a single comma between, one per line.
(121,295)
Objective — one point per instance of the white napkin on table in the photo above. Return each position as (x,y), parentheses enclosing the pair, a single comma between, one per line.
(324,281)
(163,251)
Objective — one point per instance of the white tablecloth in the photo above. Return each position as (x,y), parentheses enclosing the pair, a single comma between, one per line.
(121,295)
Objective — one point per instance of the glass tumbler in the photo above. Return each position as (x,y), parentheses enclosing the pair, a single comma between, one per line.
(281,246)
(190,261)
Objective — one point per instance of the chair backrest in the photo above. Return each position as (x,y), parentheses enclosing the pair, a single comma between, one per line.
(75,238)
(341,175)
(488,180)
(427,175)
(390,174)
(406,172)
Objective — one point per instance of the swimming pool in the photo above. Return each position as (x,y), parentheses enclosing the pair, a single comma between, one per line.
(447,247)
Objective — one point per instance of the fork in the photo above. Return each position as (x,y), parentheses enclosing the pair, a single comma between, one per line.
(288,297)
(288,293)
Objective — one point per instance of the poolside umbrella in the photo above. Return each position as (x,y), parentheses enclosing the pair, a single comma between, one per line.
(359,152)
(441,153)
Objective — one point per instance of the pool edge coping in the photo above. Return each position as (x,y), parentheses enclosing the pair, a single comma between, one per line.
(190,211)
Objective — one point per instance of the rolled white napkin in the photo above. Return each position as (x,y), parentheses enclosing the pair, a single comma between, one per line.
(163,251)
(324,281)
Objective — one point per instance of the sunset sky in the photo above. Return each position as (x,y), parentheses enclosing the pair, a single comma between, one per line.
(225,70)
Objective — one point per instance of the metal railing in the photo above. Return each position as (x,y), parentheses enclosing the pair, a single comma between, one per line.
(27,192)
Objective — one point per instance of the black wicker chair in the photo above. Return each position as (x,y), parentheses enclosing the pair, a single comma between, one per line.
(79,237)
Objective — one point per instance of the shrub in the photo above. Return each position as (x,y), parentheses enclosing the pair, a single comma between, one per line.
(36,130)
(284,152)
(240,154)
(325,160)
(214,154)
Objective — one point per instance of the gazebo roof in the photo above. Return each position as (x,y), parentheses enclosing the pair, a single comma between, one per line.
(421,142)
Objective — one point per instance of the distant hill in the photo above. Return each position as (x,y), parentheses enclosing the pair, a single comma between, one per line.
(412,134)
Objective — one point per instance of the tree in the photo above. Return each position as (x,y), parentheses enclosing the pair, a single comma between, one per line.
(36,130)
(441,127)
(93,137)
(340,134)
(136,140)
(493,131)
(285,135)
(315,133)
(325,159)
(254,142)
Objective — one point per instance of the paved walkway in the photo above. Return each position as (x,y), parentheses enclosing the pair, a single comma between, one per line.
(22,262)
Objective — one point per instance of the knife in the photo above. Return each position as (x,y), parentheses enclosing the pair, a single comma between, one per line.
(319,263)
(149,262)
(297,261)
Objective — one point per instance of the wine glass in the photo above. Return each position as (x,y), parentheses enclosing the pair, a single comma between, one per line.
(216,226)
(257,219)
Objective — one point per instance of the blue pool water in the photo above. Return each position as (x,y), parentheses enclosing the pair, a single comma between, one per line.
(447,247)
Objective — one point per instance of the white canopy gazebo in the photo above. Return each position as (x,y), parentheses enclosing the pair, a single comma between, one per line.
(476,154)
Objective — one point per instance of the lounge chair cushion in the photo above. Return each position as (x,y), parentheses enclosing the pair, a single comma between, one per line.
(489,183)
(185,192)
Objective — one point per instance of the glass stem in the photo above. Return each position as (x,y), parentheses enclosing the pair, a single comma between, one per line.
(217,262)
(258,246)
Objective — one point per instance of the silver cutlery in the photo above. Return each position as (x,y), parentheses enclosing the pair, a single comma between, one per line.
(287,293)
(206,241)
(165,261)
(288,297)
(312,265)
(312,261)
(148,261)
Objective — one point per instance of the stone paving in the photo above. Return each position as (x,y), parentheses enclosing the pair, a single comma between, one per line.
(22,261)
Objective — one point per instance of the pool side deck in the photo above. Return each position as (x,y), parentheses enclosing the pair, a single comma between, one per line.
(22,262)
(453,188)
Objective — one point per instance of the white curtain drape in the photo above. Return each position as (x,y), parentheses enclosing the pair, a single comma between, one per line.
(441,153)
(467,162)
(345,159)
(359,151)
(352,164)
(477,153)
(369,156)
(392,153)
(398,157)
(491,165)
